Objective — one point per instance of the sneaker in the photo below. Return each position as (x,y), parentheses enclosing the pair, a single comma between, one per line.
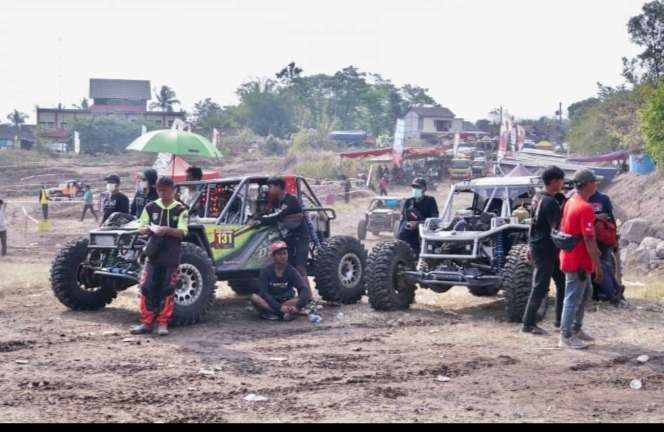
(141,329)
(269,316)
(583,336)
(572,343)
(537,331)
(162,330)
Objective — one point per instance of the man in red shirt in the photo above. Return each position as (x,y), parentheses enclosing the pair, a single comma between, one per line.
(579,263)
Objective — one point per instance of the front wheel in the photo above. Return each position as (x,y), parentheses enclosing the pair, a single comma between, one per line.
(74,284)
(196,284)
(517,282)
(339,270)
(387,289)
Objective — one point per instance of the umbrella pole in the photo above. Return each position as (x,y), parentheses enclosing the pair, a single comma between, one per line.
(173,166)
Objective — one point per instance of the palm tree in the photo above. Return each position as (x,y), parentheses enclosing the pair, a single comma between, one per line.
(165,99)
(17,118)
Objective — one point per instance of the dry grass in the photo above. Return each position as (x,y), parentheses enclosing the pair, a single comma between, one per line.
(646,288)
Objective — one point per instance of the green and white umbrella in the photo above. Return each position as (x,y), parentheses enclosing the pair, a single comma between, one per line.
(176,142)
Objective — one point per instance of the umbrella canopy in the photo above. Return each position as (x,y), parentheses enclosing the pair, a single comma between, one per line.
(176,142)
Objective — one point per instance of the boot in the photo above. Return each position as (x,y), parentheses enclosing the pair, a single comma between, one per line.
(141,329)
(162,330)
(572,343)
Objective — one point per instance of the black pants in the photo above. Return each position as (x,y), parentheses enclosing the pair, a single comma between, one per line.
(412,237)
(45,211)
(92,210)
(3,242)
(546,266)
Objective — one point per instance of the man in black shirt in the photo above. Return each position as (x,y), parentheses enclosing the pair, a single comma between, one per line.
(145,193)
(288,215)
(416,210)
(544,253)
(278,282)
(117,202)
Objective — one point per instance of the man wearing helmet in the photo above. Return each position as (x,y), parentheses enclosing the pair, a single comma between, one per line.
(278,282)
(415,211)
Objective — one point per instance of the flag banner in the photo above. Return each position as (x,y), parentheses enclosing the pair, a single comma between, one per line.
(399,138)
(144,130)
(77,143)
(457,140)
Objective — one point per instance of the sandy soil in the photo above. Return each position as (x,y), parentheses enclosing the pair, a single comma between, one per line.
(357,365)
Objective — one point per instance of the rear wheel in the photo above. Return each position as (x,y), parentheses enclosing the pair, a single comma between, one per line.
(387,290)
(73,284)
(517,281)
(362,230)
(339,268)
(196,284)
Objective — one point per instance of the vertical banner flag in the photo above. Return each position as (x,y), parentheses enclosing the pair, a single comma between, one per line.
(77,143)
(512,133)
(144,130)
(520,137)
(399,138)
(502,141)
(457,140)
(215,136)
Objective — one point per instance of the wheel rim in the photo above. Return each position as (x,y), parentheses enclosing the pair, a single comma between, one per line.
(350,270)
(189,288)
(81,281)
(401,287)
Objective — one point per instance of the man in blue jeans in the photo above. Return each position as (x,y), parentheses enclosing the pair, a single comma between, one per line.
(579,263)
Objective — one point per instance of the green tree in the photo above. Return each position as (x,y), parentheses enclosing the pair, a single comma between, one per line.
(209,115)
(652,121)
(165,99)
(83,105)
(106,134)
(576,110)
(17,118)
(647,31)
(263,110)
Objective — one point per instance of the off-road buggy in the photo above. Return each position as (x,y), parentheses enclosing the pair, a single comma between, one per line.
(222,244)
(383,214)
(479,241)
(70,189)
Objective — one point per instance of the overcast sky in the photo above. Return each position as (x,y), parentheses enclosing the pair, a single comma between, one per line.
(473,55)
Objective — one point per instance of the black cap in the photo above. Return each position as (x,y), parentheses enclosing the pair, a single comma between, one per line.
(112,178)
(277,181)
(419,183)
(584,176)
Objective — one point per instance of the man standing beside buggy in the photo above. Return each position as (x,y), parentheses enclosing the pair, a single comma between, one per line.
(288,215)
(166,220)
(416,210)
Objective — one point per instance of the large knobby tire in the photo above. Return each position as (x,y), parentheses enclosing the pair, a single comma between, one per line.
(395,229)
(65,283)
(517,282)
(362,230)
(484,291)
(244,287)
(387,291)
(197,280)
(340,270)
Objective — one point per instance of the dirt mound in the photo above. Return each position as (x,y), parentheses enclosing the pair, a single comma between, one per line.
(636,196)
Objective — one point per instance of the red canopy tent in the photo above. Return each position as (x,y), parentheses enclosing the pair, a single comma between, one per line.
(408,153)
(177,168)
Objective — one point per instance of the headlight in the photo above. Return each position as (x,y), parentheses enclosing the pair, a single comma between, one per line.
(102,240)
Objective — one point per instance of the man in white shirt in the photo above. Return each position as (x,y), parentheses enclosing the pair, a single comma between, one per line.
(3,228)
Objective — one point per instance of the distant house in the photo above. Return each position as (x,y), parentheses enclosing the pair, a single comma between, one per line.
(12,136)
(429,122)
(119,97)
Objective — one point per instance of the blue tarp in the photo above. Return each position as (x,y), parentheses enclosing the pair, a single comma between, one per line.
(641,164)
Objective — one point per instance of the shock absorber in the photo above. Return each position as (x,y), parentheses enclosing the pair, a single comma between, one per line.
(310,226)
(499,251)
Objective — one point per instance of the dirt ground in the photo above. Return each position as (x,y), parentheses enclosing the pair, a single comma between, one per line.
(356,365)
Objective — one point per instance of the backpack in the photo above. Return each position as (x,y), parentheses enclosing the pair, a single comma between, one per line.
(606,233)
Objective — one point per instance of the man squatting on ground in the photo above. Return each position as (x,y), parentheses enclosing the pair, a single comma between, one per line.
(278,282)
(580,262)
(544,253)
(288,215)
(159,275)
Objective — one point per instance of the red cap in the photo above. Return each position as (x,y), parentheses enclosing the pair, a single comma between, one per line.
(277,246)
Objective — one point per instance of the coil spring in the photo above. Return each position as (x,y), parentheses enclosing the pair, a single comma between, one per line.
(499,251)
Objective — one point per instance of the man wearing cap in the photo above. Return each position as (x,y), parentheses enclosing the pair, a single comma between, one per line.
(278,281)
(117,202)
(288,215)
(579,263)
(415,211)
(168,220)
(145,193)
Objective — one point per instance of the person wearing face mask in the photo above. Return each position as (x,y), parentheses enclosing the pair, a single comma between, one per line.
(146,192)
(117,202)
(415,211)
